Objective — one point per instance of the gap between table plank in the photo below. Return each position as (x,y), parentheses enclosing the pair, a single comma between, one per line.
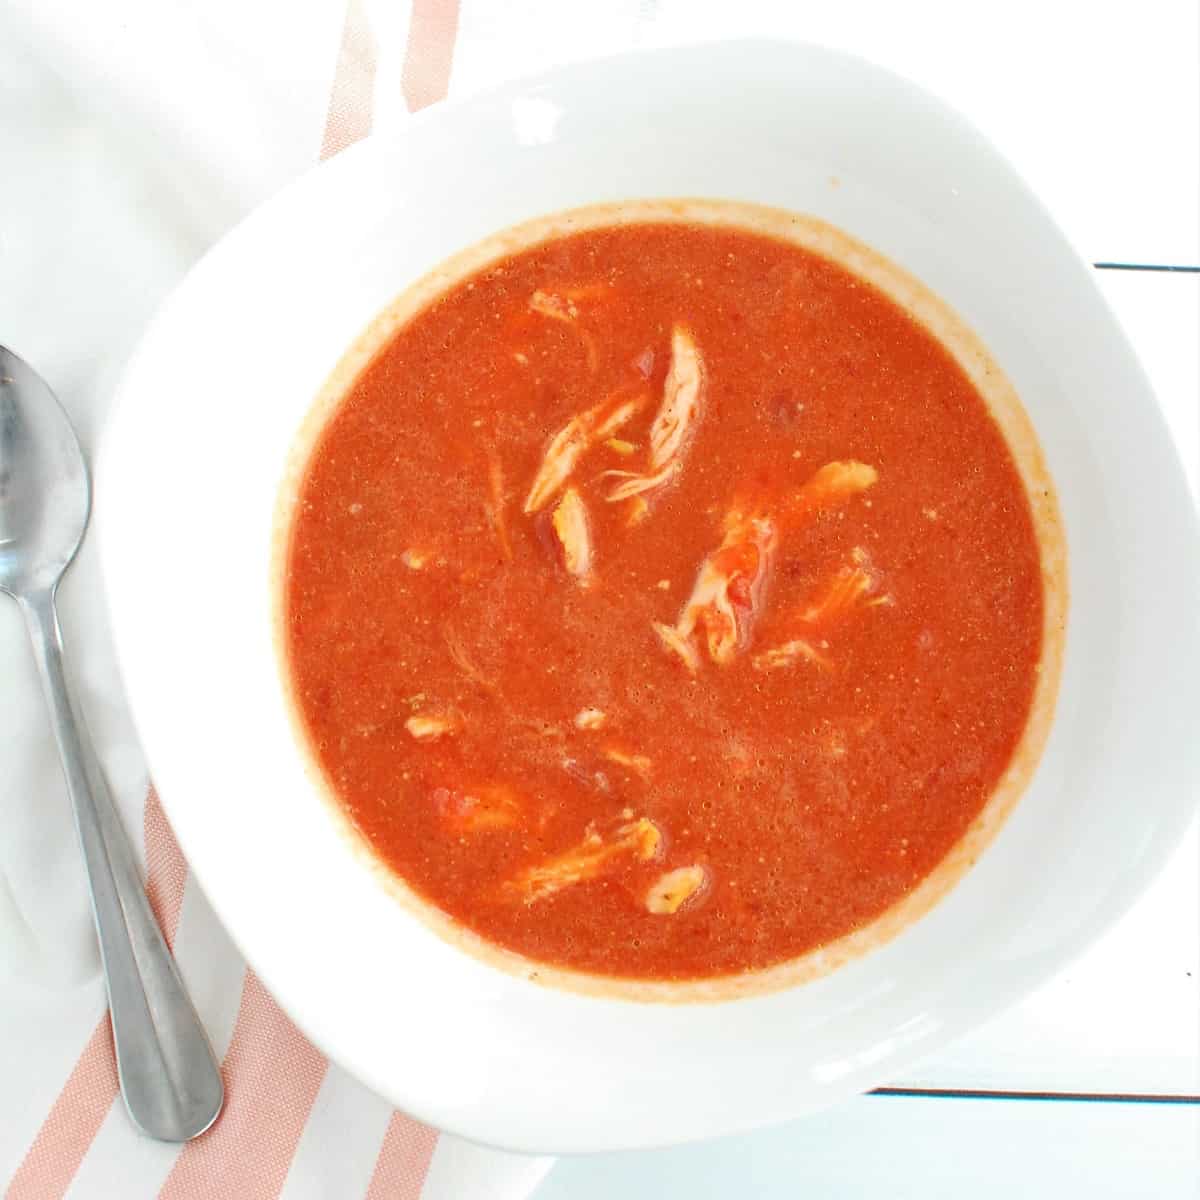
(1118,266)
(932,1093)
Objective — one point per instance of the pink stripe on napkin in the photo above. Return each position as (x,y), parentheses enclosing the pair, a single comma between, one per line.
(432,31)
(272,1074)
(349,116)
(166,868)
(50,1163)
(403,1160)
(70,1127)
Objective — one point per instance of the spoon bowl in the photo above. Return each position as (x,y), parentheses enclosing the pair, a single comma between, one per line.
(45,495)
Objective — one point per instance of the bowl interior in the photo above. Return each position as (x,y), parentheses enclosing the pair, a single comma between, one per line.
(194,457)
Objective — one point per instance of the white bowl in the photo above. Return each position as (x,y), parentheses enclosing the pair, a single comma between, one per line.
(187,488)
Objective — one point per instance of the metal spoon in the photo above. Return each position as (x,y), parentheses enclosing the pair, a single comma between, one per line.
(169,1078)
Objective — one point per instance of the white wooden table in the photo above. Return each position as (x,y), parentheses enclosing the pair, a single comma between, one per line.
(1092,1085)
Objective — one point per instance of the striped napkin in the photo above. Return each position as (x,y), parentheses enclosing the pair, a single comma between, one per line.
(147,129)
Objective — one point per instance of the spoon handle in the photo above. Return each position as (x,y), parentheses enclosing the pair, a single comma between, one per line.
(169,1078)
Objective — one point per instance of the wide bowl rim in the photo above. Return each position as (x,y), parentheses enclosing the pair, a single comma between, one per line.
(119,451)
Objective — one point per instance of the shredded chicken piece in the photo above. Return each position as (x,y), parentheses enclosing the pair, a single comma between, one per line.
(570,521)
(683,395)
(675,422)
(415,560)
(581,293)
(560,303)
(560,306)
(638,511)
(587,774)
(728,590)
(426,727)
(671,638)
(788,653)
(589,718)
(673,889)
(495,506)
(575,438)
(637,485)
(834,482)
(621,446)
(554,306)
(588,859)
(543,729)
(638,763)
(842,592)
(479,810)
(846,589)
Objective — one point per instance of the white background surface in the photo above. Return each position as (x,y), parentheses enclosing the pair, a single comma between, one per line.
(1099,107)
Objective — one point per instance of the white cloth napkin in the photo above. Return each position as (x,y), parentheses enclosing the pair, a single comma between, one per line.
(133,133)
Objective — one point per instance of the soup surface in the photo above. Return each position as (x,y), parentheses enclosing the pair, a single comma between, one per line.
(662,601)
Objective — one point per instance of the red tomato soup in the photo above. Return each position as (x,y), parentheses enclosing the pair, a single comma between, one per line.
(662,601)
